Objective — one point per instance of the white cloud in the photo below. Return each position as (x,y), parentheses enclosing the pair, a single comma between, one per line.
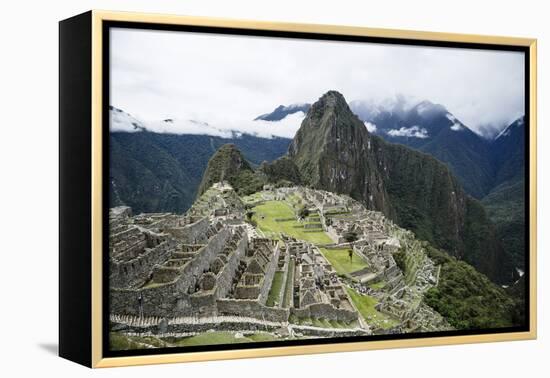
(457,127)
(286,128)
(371,127)
(182,75)
(410,132)
(451,117)
(122,121)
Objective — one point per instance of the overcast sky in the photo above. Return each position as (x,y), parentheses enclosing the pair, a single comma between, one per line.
(227,81)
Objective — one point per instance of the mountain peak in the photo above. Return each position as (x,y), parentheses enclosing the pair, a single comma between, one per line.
(332,104)
(227,164)
(331,98)
(428,108)
(508,130)
(334,151)
(331,145)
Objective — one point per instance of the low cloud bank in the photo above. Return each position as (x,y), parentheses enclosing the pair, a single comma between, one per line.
(224,128)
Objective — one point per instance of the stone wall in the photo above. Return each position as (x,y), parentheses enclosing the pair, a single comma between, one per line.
(190,325)
(182,327)
(268,277)
(334,235)
(225,277)
(284,270)
(192,233)
(171,299)
(247,292)
(126,273)
(251,308)
(325,311)
(203,303)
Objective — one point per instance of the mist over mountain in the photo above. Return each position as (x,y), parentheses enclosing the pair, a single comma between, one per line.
(157,169)
(505,203)
(160,171)
(491,170)
(430,128)
(282,111)
(214,124)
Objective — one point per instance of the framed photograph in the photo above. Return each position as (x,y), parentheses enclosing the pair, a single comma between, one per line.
(234,189)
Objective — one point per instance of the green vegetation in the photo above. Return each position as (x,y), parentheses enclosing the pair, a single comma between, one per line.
(274,217)
(339,258)
(281,172)
(229,164)
(217,338)
(123,342)
(365,305)
(303,212)
(518,292)
(467,298)
(412,188)
(294,200)
(210,338)
(506,208)
(409,261)
(161,172)
(505,203)
(275,290)
(257,337)
(350,236)
(377,285)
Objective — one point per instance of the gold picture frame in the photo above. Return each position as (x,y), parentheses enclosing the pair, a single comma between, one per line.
(94,22)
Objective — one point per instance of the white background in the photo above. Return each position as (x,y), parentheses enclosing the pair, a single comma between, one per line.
(29,186)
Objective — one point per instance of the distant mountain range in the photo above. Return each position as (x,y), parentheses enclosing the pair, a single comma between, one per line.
(159,167)
(154,171)
(334,151)
(490,170)
(430,128)
(505,202)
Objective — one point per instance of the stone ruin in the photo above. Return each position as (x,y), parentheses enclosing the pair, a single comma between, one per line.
(210,264)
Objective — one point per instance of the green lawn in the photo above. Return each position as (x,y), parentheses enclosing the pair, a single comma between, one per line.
(365,304)
(119,341)
(339,258)
(124,342)
(378,285)
(272,210)
(261,337)
(216,338)
(275,290)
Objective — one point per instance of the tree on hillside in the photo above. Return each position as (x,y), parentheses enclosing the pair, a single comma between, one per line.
(303,213)
(350,237)
(249,215)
